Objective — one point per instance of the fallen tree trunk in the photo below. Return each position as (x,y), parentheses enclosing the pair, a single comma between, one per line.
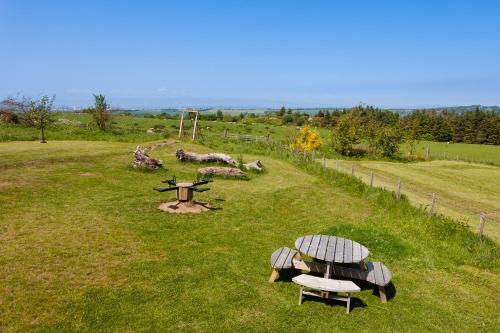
(142,160)
(255,165)
(185,156)
(221,171)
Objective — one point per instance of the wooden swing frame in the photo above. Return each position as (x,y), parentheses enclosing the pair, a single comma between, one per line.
(196,130)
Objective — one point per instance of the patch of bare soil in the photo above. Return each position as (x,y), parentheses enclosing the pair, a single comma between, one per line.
(193,207)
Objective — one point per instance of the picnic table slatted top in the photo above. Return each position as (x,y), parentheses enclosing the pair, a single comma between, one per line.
(332,248)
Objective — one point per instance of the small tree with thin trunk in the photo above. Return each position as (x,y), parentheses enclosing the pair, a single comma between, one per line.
(39,112)
(100,113)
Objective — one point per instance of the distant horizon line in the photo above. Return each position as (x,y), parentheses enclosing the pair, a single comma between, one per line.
(221,107)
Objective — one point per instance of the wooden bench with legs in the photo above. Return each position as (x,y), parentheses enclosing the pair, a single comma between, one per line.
(281,259)
(373,272)
(325,288)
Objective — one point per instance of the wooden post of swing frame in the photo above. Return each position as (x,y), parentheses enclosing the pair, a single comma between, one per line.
(195,128)
(181,127)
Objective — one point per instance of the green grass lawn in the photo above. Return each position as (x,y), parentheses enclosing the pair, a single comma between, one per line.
(463,190)
(84,248)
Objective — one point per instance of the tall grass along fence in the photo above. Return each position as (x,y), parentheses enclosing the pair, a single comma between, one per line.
(433,198)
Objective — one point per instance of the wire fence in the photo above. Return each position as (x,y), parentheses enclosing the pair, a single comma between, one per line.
(434,201)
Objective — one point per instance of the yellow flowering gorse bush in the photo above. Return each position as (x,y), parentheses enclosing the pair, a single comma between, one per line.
(306,140)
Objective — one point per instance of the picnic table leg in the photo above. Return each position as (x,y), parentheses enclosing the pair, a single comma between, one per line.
(362,265)
(381,293)
(274,275)
(300,294)
(327,275)
(348,303)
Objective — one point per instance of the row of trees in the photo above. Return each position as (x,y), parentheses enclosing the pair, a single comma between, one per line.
(32,112)
(482,127)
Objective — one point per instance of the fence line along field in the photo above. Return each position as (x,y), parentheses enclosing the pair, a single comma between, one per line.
(463,190)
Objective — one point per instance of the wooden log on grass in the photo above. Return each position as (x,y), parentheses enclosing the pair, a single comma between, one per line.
(255,165)
(185,156)
(222,171)
(142,160)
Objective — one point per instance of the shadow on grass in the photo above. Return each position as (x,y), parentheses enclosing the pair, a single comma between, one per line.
(355,302)
(390,290)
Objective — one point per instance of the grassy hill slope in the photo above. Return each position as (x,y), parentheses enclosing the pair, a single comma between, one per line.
(84,248)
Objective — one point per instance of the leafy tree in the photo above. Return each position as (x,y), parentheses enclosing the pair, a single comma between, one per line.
(306,140)
(100,113)
(21,108)
(219,115)
(40,113)
(388,140)
(287,119)
(281,112)
(345,134)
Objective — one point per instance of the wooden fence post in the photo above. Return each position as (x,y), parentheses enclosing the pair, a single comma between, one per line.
(427,153)
(433,203)
(371,179)
(267,136)
(324,162)
(225,132)
(352,170)
(482,219)
(398,190)
(337,161)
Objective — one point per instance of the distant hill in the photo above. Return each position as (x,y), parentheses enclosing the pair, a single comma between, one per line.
(310,111)
(459,109)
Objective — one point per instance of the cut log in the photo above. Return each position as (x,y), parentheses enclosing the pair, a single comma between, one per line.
(185,156)
(142,160)
(221,171)
(255,165)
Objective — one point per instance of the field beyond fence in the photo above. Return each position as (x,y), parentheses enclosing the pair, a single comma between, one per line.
(461,190)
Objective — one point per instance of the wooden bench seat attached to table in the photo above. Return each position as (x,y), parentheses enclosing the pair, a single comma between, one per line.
(322,288)
(281,259)
(375,273)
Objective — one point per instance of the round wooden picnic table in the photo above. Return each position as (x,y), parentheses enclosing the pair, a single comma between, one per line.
(332,249)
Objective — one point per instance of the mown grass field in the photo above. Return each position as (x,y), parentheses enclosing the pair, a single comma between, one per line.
(460,151)
(84,248)
(463,190)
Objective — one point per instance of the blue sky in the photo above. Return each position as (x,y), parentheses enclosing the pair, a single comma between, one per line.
(253,53)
